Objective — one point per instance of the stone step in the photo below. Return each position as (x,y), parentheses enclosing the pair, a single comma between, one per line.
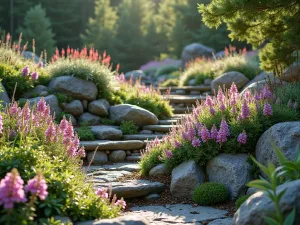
(129,167)
(133,158)
(158,128)
(201,88)
(132,188)
(142,136)
(167,122)
(103,145)
(185,99)
(177,116)
(180,110)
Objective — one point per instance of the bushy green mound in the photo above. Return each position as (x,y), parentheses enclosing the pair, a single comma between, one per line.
(128,127)
(241,200)
(170,83)
(32,143)
(224,124)
(210,194)
(85,133)
(84,69)
(204,69)
(166,70)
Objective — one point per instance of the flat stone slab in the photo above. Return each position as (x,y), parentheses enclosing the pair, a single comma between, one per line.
(201,88)
(133,188)
(142,136)
(133,158)
(167,122)
(177,214)
(106,176)
(182,110)
(225,221)
(112,145)
(188,99)
(130,167)
(159,128)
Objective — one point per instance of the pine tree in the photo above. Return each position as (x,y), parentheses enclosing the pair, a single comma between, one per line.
(100,31)
(257,22)
(38,27)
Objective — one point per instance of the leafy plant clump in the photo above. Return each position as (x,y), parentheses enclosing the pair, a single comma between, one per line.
(106,121)
(128,127)
(33,144)
(87,66)
(202,69)
(170,83)
(210,193)
(85,133)
(241,200)
(226,123)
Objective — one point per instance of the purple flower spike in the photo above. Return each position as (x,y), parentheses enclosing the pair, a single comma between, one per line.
(204,134)
(214,132)
(168,154)
(25,71)
(121,203)
(196,143)
(1,124)
(102,193)
(212,111)
(245,110)
(177,144)
(38,187)
(34,75)
(242,138)
(268,110)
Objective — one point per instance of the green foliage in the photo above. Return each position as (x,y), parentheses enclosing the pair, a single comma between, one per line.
(241,200)
(210,194)
(106,121)
(85,132)
(170,83)
(63,98)
(38,27)
(166,70)
(85,69)
(288,92)
(128,127)
(278,21)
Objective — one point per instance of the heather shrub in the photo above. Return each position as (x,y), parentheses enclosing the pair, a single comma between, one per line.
(210,194)
(142,96)
(226,123)
(128,127)
(87,66)
(202,69)
(241,200)
(33,144)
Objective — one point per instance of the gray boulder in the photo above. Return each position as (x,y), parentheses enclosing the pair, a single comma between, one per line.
(117,156)
(159,170)
(51,100)
(31,56)
(106,133)
(4,96)
(138,115)
(254,87)
(74,87)
(99,158)
(35,92)
(99,107)
(260,205)
(89,118)
(75,108)
(291,74)
(124,220)
(286,136)
(251,191)
(226,80)
(185,178)
(193,51)
(231,170)
(135,75)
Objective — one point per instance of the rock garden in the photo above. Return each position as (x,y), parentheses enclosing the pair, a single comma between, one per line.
(211,138)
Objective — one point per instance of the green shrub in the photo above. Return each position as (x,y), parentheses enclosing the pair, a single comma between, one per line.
(63,98)
(210,194)
(106,121)
(241,200)
(85,132)
(85,69)
(128,127)
(166,70)
(170,83)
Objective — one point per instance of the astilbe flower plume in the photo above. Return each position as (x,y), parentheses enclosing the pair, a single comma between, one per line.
(121,203)
(168,154)
(223,132)
(35,75)
(220,96)
(196,142)
(25,71)
(214,132)
(208,101)
(245,114)
(268,110)
(1,123)
(177,144)
(204,134)
(242,138)
(37,186)
(11,190)
(102,193)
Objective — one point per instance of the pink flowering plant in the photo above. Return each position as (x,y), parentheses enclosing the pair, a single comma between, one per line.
(31,141)
(228,122)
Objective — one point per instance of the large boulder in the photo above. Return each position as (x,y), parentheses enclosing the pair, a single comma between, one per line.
(51,100)
(260,205)
(89,119)
(31,56)
(226,80)
(193,51)
(292,73)
(4,96)
(185,178)
(106,133)
(254,87)
(286,136)
(263,76)
(99,107)
(117,156)
(135,75)
(138,115)
(231,170)
(159,170)
(98,158)
(74,87)
(75,108)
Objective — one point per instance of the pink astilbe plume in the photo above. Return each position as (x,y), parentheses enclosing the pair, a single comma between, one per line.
(177,144)
(121,203)
(25,71)
(222,107)
(214,132)
(242,138)
(14,109)
(267,110)
(245,114)
(1,123)
(220,96)
(41,106)
(63,124)
(196,142)
(223,132)
(102,193)
(50,132)
(168,154)
(204,134)
(37,186)
(35,75)
(26,112)
(209,102)
(266,93)
(212,111)
(11,190)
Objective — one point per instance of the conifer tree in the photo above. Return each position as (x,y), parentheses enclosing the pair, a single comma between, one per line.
(257,22)
(100,30)
(38,27)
